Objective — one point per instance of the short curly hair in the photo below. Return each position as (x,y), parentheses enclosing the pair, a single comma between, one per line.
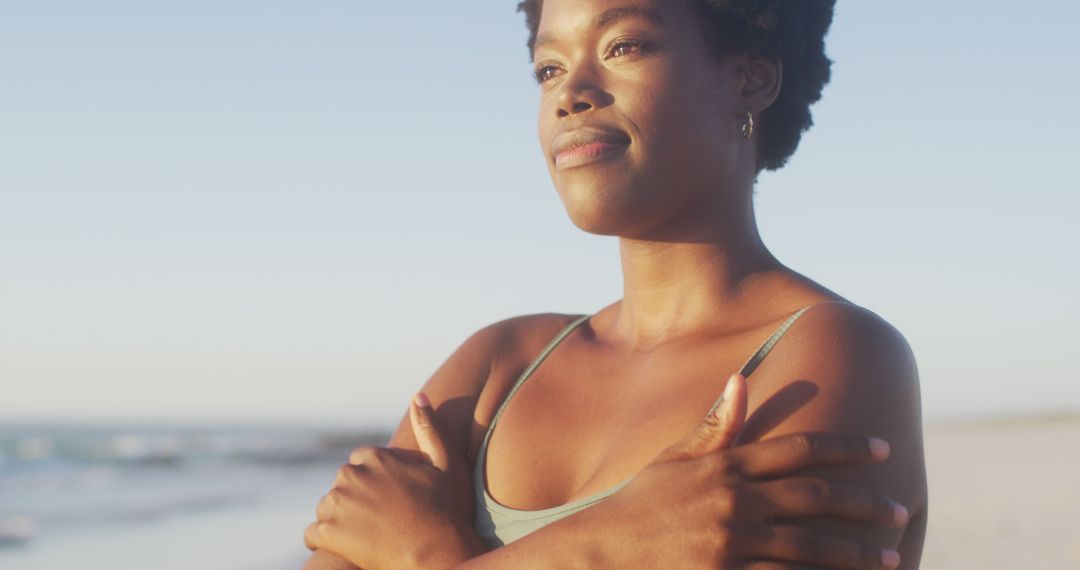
(791,31)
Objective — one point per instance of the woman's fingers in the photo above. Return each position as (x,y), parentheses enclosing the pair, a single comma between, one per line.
(800,546)
(789,454)
(772,565)
(426,430)
(322,509)
(311,536)
(719,428)
(813,497)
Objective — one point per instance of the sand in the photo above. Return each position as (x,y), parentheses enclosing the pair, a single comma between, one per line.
(1004,495)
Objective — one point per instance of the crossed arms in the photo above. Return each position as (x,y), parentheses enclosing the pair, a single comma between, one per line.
(850,374)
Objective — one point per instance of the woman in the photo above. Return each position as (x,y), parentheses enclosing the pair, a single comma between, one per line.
(655,118)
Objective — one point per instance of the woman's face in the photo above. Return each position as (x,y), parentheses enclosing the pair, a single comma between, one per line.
(637,118)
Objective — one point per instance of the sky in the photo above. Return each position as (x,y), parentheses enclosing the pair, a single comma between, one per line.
(293,212)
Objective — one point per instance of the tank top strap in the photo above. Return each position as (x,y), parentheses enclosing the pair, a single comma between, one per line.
(747,368)
(767,346)
(528,372)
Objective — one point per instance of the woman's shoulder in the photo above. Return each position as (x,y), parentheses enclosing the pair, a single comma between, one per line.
(462,388)
(470,384)
(843,338)
(844,354)
(848,328)
(832,332)
(510,337)
(843,368)
(467,370)
(510,345)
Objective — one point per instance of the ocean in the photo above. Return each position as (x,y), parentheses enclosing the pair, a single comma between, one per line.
(163,497)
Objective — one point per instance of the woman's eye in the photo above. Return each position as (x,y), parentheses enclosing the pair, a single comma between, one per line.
(624,47)
(545,72)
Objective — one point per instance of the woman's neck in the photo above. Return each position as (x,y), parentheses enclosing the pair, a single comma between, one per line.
(676,286)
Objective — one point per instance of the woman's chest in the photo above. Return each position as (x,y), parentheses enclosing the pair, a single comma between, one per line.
(583,423)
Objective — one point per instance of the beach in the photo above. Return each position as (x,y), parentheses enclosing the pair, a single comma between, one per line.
(164,497)
(1003,495)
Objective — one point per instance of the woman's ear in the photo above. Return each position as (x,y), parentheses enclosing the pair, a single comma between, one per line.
(762,78)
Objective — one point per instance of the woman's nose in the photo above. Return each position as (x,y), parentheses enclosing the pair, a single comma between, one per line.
(579,93)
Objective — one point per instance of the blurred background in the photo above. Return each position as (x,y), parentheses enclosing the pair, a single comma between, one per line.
(225,228)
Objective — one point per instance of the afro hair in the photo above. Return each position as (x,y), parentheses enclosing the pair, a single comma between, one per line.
(791,31)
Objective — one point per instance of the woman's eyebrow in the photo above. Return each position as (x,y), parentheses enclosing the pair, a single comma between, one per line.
(607,18)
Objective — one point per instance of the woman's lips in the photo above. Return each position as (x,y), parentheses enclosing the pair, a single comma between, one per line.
(587,144)
(588,153)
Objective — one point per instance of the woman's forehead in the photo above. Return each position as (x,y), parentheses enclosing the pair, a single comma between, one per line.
(573,17)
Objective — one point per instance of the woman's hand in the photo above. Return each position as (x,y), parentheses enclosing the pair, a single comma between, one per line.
(699,504)
(392,508)
(704,504)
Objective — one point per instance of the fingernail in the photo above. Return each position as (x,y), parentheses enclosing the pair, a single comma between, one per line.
(422,400)
(729,390)
(890,558)
(900,515)
(879,448)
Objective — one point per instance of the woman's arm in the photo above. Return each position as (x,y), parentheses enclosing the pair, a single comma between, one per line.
(844,369)
(454,390)
(702,504)
(699,504)
(590,539)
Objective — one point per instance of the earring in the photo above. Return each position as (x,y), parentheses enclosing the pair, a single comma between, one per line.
(747,126)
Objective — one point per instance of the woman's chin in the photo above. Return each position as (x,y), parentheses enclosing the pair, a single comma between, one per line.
(613,208)
(598,219)
(596,227)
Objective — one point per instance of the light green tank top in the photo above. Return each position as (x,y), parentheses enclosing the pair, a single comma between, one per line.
(498,524)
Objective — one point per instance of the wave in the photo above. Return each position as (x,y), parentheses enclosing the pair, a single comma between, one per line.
(158,447)
(54,479)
